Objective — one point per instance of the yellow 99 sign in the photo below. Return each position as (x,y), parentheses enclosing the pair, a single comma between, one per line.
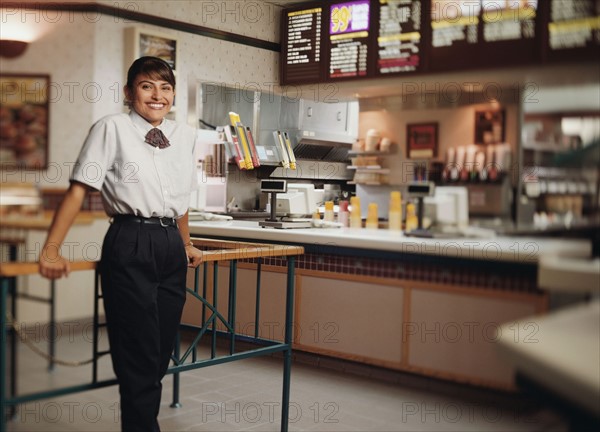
(340,19)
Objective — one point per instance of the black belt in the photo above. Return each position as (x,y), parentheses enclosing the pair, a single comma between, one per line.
(162,221)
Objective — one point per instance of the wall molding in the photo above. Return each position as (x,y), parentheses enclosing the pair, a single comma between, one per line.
(127,14)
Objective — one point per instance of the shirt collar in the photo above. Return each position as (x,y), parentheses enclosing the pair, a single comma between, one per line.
(142,123)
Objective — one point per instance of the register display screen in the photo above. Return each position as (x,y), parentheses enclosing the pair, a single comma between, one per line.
(273,186)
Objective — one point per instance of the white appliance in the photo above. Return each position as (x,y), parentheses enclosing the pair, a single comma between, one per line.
(449,206)
(292,203)
(301,199)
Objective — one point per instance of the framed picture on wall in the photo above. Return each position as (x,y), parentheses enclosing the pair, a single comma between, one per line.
(24,112)
(489,126)
(140,42)
(421,140)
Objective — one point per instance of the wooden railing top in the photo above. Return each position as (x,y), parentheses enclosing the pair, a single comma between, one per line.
(229,250)
(42,222)
(12,269)
(12,241)
(224,251)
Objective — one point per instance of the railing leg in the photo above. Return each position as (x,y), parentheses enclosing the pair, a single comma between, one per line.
(177,350)
(204,289)
(257,301)
(12,291)
(13,343)
(95,342)
(287,354)
(232,302)
(213,347)
(4,284)
(53,333)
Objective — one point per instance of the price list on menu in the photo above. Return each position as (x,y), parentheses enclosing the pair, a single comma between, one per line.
(302,46)
(514,22)
(349,39)
(399,39)
(454,33)
(473,34)
(573,29)
(509,33)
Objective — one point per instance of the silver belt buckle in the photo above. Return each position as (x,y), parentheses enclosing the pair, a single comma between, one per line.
(162,223)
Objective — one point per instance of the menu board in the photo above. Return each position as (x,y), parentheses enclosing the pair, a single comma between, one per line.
(349,39)
(330,41)
(573,29)
(301,53)
(455,24)
(513,21)
(399,38)
(485,33)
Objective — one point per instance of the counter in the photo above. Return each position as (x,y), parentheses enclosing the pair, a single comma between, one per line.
(563,355)
(433,307)
(510,249)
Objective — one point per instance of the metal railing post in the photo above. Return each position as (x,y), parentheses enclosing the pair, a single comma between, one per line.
(287,354)
(53,332)
(213,346)
(257,301)
(177,349)
(4,283)
(232,301)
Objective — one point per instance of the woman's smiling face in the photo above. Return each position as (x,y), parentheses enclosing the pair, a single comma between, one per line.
(151,98)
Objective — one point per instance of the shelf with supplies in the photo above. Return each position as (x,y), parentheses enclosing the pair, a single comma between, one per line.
(368,167)
(368,183)
(369,153)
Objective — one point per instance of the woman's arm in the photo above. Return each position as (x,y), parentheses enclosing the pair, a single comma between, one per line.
(194,255)
(51,264)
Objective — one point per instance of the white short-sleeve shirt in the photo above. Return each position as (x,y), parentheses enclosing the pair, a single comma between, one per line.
(134,177)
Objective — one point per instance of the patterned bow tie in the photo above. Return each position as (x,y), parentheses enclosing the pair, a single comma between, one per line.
(155,137)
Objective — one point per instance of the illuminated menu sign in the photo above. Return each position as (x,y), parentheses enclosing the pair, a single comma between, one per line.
(485,33)
(330,41)
(302,46)
(512,21)
(399,39)
(573,28)
(348,39)
(454,23)
(454,33)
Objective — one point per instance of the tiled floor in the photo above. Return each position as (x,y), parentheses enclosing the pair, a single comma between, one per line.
(246,396)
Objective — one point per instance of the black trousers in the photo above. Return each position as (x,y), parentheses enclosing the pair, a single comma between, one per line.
(143,272)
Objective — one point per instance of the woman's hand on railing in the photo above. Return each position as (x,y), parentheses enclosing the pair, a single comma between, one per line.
(53,265)
(194,256)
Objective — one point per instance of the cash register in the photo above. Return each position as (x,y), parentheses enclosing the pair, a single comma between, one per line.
(274,187)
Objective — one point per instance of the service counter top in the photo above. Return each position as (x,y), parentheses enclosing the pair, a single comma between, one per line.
(562,355)
(391,297)
(525,250)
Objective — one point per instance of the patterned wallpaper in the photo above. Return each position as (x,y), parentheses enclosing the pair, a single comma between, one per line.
(70,62)
(84,56)
(257,19)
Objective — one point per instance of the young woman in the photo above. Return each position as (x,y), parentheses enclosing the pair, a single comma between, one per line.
(144,166)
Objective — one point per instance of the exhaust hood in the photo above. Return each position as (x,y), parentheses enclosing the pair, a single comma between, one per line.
(319,131)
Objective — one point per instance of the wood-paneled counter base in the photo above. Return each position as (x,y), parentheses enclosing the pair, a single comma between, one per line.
(430,315)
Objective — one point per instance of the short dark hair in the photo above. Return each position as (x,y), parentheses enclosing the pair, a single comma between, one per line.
(152,67)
